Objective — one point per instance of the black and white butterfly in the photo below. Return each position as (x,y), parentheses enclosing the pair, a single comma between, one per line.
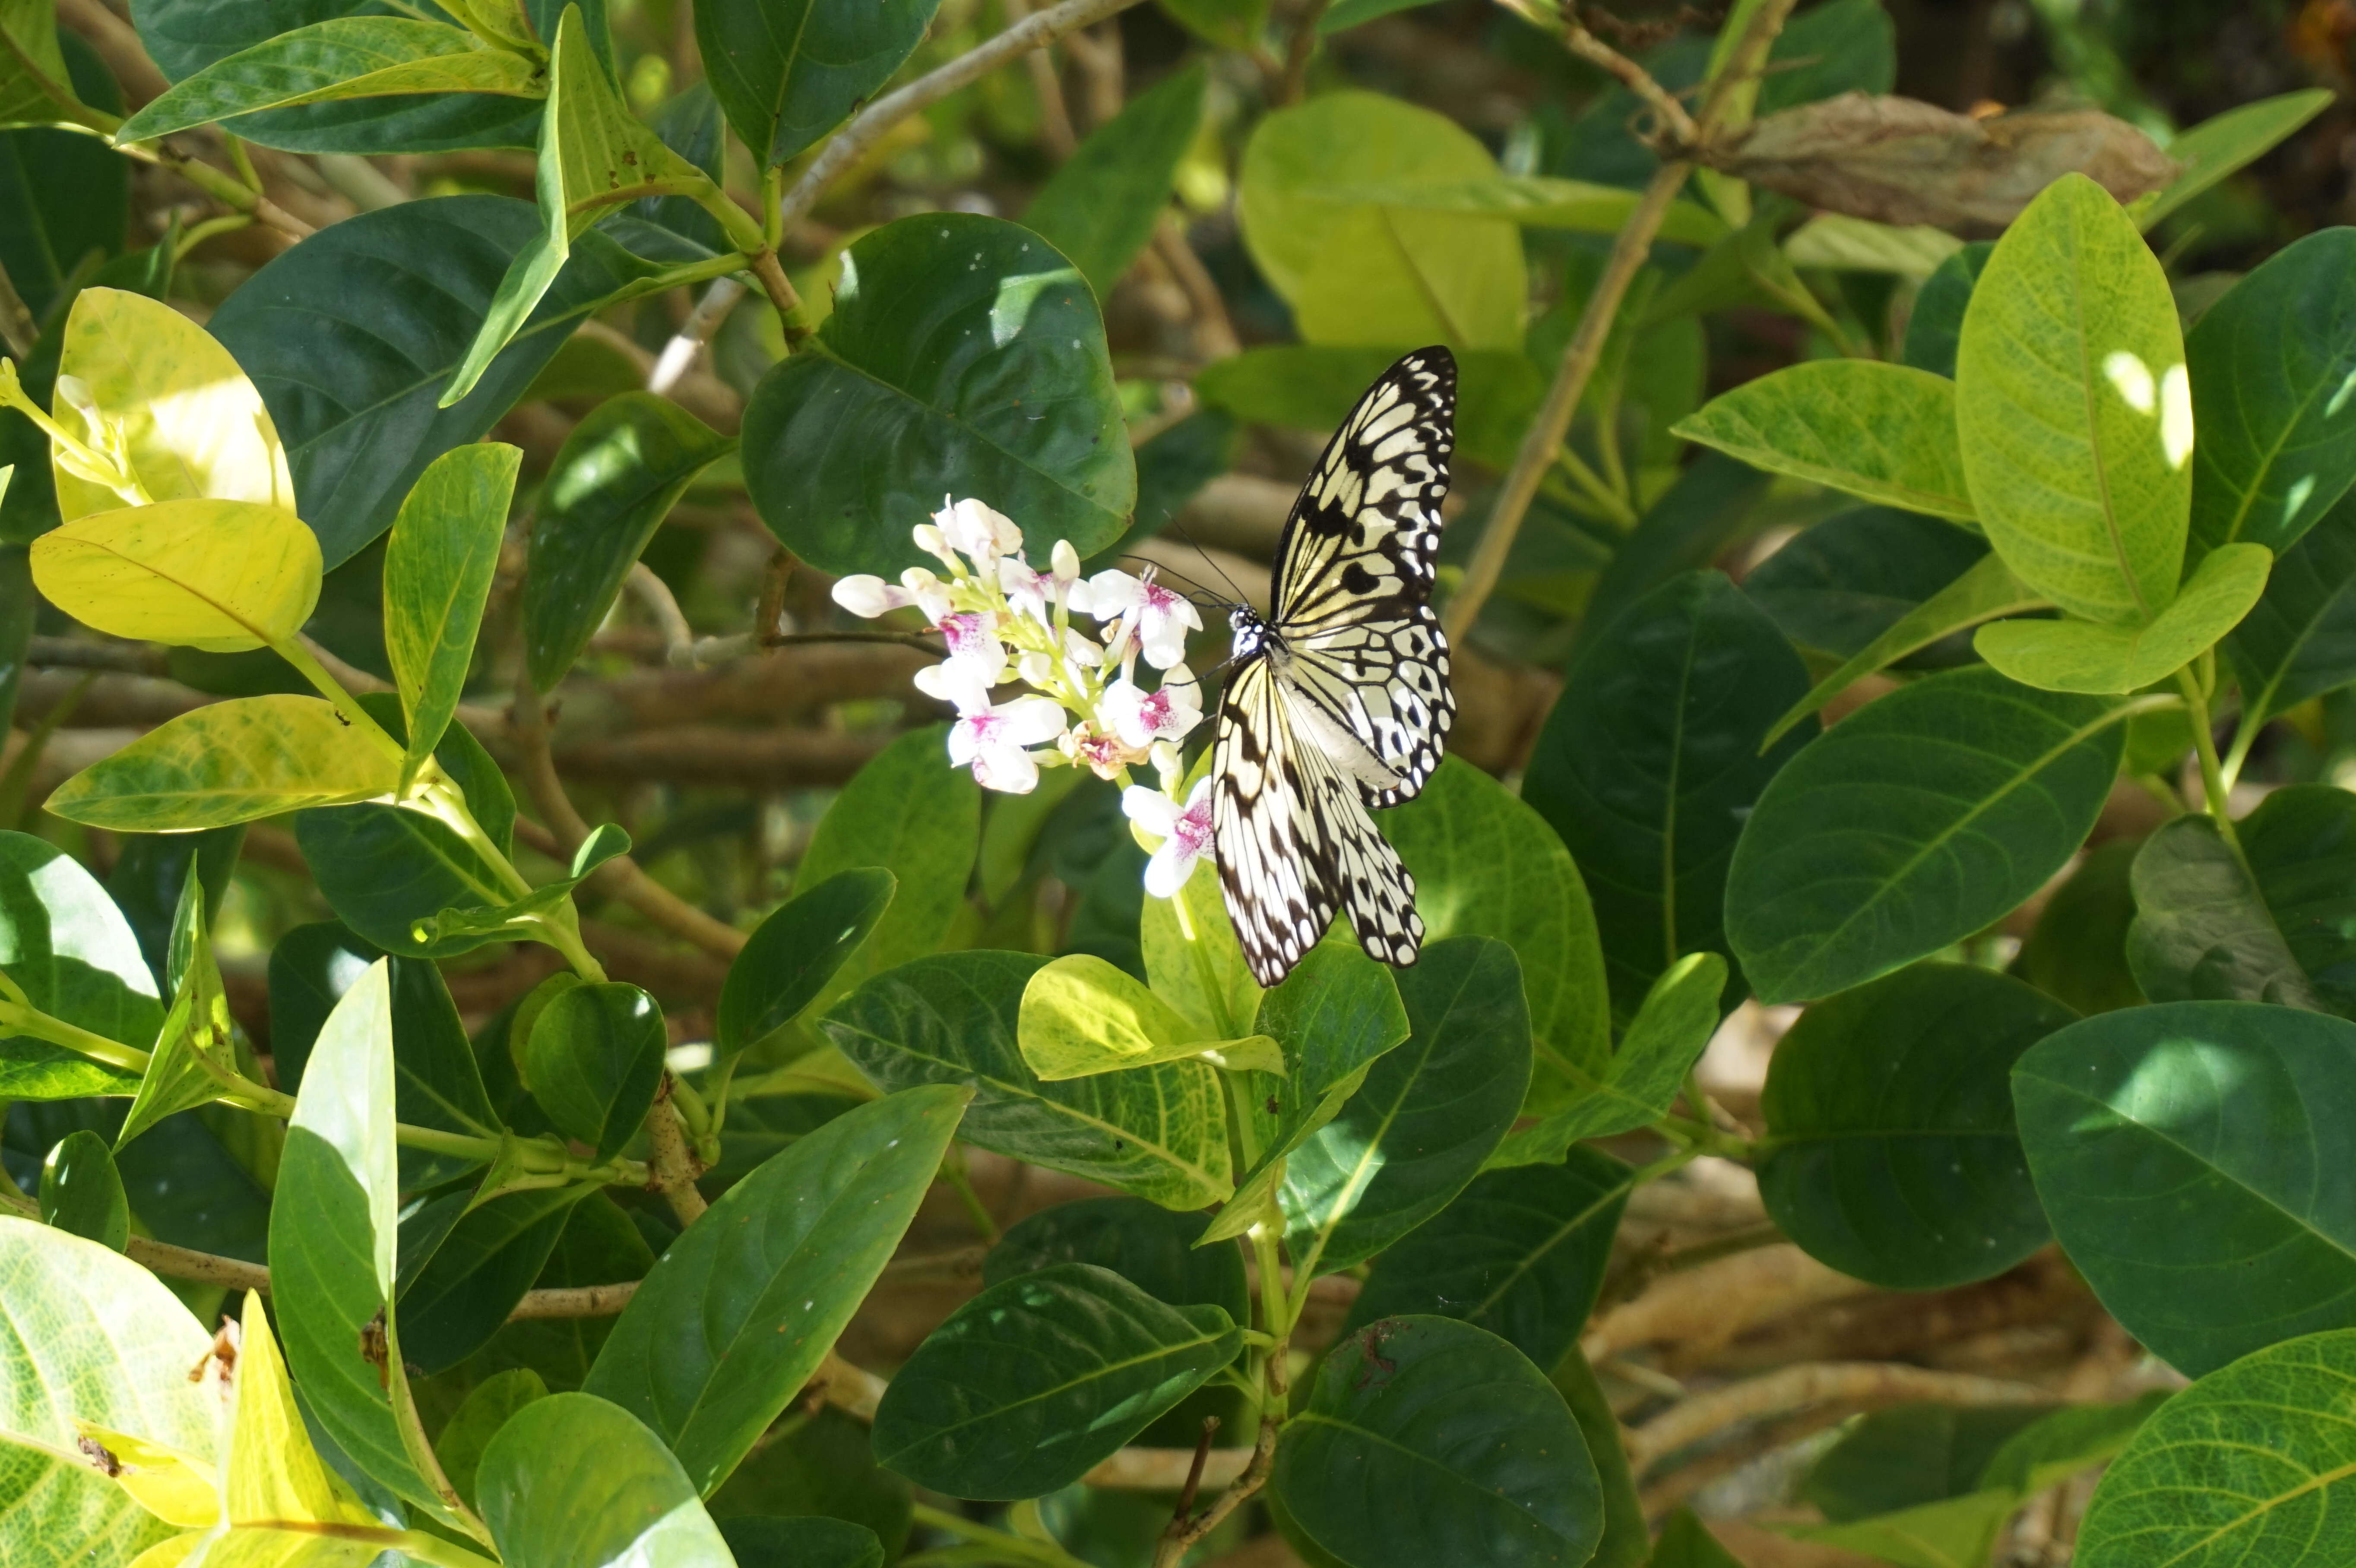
(1339,699)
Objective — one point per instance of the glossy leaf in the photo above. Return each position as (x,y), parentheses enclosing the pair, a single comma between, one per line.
(573,1481)
(2301,845)
(1157,1132)
(2077,462)
(1912,824)
(1891,1154)
(1520,1252)
(1652,759)
(1486,865)
(457,1297)
(618,475)
(1082,1016)
(1670,1031)
(789,74)
(233,762)
(1885,434)
(1198,967)
(438,568)
(970,352)
(1147,1245)
(1101,205)
(66,945)
(82,1193)
(350,374)
(794,952)
(749,1300)
(1426,1440)
(1913,1454)
(594,1060)
(1031,1383)
(345,57)
(384,870)
(2203,931)
(192,426)
(486,1409)
(2192,1158)
(2300,641)
(2083,655)
(194,1051)
(1429,1112)
(600,1245)
(274,1485)
(223,576)
(2253,1464)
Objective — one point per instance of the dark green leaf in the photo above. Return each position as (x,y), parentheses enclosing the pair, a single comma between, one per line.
(82,1192)
(351,335)
(2203,931)
(1626,1542)
(789,73)
(1032,1383)
(971,353)
(1687,1542)
(1913,1454)
(1667,1037)
(1428,1440)
(1650,762)
(1100,206)
(806,1542)
(2060,1445)
(594,1060)
(2078,953)
(751,1297)
(458,1448)
(617,476)
(1430,1111)
(1936,324)
(63,193)
(435,1081)
(820,1467)
(794,952)
(2195,1160)
(2299,640)
(310,970)
(2255,1464)
(1225,23)
(692,125)
(437,576)
(571,1482)
(2270,364)
(1158,1132)
(600,1245)
(2301,846)
(1520,1252)
(385,869)
(1852,577)
(760,1125)
(1912,824)
(151,874)
(1892,1152)
(1146,1245)
(456,1296)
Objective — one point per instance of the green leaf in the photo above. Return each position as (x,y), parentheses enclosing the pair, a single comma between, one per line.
(1914,1453)
(600,1245)
(1101,205)
(345,57)
(1520,1252)
(1157,1132)
(594,156)
(233,762)
(539,915)
(1912,824)
(1082,1016)
(332,1237)
(1430,1112)
(82,1193)
(938,322)
(1224,23)
(1426,1440)
(1687,1542)
(486,1409)
(1649,762)
(35,88)
(2203,931)
(1147,1245)
(1883,432)
(2077,954)
(66,946)
(594,1060)
(2190,1156)
(1669,1033)
(1842,243)
(787,74)
(2271,364)
(2059,1444)
(750,1298)
(2299,640)
(1031,1383)
(1954,1532)
(194,1052)
(1334,1017)
(1890,1151)
(573,1481)
(2074,409)
(1485,865)
(1314,386)
(2223,142)
(823,1466)
(350,376)
(455,1297)
(1627,1543)
(2254,1464)
(801,1543)
(1204,975)
(62,195)
(1846,581)
(618,475)
(794,952)
(385,869)
(1936,324)
(88,1334)
(1534,201)
(437,1082)
(2085,655)
(438,568)
(1363,274)
(2301,845)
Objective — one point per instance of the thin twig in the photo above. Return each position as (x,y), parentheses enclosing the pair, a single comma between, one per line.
(1673,121)
(1780,1394)
(678,355)
(870,125)
(1214,334)
(674,1167)
(1047,85)
(655,596)
(1299,52)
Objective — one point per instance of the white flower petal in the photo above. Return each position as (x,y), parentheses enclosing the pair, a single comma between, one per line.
(1149,809)
(1028,721)
(1168,869)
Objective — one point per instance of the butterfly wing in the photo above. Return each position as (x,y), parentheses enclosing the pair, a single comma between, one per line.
(1360,643)
(1294,841)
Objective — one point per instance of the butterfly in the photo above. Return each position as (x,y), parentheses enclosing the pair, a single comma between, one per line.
(1339,698)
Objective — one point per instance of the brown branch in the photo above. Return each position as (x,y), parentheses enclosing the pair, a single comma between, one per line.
(1856,1384)
(709,755)
(1706,1307)
(1047,86)
(1164,1469)
(675,1170)
(1673,122)
(1214,334)
(1299,52)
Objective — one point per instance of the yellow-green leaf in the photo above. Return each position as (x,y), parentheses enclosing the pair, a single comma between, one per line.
(1195,963)
(1884,432)
(275,1483)
(169,1552)
(1082,1016)
(223,576)
(174,1486)
(437,576)
(193,1050)
(233,762)
(2085,655)
(192,425)
(34,86)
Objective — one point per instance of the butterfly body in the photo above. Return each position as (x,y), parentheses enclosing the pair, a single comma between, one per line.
(1340,699)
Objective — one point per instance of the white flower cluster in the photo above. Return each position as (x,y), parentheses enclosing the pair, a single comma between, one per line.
(1004,620)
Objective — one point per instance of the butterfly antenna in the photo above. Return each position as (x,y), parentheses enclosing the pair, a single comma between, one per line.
(1159,570)
(1212,561)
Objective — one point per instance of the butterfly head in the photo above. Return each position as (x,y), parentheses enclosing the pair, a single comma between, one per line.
(1249,631)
